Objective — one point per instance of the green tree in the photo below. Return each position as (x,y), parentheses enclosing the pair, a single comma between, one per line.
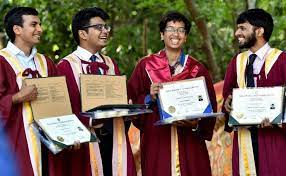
(135,31)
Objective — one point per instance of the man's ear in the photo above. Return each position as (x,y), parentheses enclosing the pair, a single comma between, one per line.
(17,29)
(82,34)
(162,36)
(260,32)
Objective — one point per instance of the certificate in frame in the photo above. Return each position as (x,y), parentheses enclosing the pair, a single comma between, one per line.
(252,105)
(184,100)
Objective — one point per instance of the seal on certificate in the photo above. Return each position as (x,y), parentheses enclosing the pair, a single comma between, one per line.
(61,139)
(172,109)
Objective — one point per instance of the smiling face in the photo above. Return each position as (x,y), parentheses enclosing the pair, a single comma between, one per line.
(174,35)
(94,38)
(30,32)
(246,35)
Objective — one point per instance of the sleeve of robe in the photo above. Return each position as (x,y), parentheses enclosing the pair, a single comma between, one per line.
(230,82)
(64,69)
(6,105)
(138,87)
(206,125)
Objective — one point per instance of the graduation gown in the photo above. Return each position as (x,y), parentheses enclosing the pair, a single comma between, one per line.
(64,68)
(12,119)
(271,141)
(156,140)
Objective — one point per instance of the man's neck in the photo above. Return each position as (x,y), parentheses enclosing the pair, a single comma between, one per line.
(23,47)
(259,44)
(173,55)
(90,49)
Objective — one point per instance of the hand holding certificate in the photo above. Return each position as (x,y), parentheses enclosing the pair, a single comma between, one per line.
(250,106)
(52,113)
(184,100)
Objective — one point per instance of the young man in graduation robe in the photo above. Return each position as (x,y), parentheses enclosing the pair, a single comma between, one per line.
(256,150)
(20,60)
(171,150)
(91,33)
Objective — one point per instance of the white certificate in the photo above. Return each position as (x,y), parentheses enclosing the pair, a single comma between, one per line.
(184,98)
(65,130)
(251,105)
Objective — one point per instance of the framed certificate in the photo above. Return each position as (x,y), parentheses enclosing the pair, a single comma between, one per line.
(53,114)
(184,100)
(252,105)
(105,96)
(97,90)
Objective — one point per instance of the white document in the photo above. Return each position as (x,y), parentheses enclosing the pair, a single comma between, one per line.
(65,129)
(184,98)
(252,105)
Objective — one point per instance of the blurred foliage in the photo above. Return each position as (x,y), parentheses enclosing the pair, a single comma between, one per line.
(130,18)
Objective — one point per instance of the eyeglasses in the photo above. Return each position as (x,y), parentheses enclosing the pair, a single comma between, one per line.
(180,30)
(99,27)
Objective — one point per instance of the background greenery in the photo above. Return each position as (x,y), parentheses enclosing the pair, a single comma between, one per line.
(135,30)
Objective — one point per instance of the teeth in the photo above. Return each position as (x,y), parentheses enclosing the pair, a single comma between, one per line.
(240,39)
(175,41)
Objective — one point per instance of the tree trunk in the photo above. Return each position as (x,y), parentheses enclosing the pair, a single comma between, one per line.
(207,46)
(251,4)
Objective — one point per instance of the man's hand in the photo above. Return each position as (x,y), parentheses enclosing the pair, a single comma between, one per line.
(266,123)
(227,103)
(154,90)
(188,123)
(26,93)
(97,123)
(130,101)
(75,146)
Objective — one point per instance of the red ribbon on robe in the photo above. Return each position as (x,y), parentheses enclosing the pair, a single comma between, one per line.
(29,71)
(93,68)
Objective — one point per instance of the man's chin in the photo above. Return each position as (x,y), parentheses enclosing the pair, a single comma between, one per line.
(104,44)
(100,46)
(244,46)
(35,43)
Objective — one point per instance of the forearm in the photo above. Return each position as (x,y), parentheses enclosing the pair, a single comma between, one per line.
(16,98)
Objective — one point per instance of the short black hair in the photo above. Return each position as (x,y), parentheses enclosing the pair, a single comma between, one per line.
(175,17)
(258,18)
(14,17)
(82,18)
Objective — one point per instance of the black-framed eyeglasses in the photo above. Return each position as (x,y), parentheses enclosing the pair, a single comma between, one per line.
(99,27)
(180,30)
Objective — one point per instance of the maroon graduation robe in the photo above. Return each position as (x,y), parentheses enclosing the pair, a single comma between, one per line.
(79,160)
(12,120)
(271,141)
(156,140)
